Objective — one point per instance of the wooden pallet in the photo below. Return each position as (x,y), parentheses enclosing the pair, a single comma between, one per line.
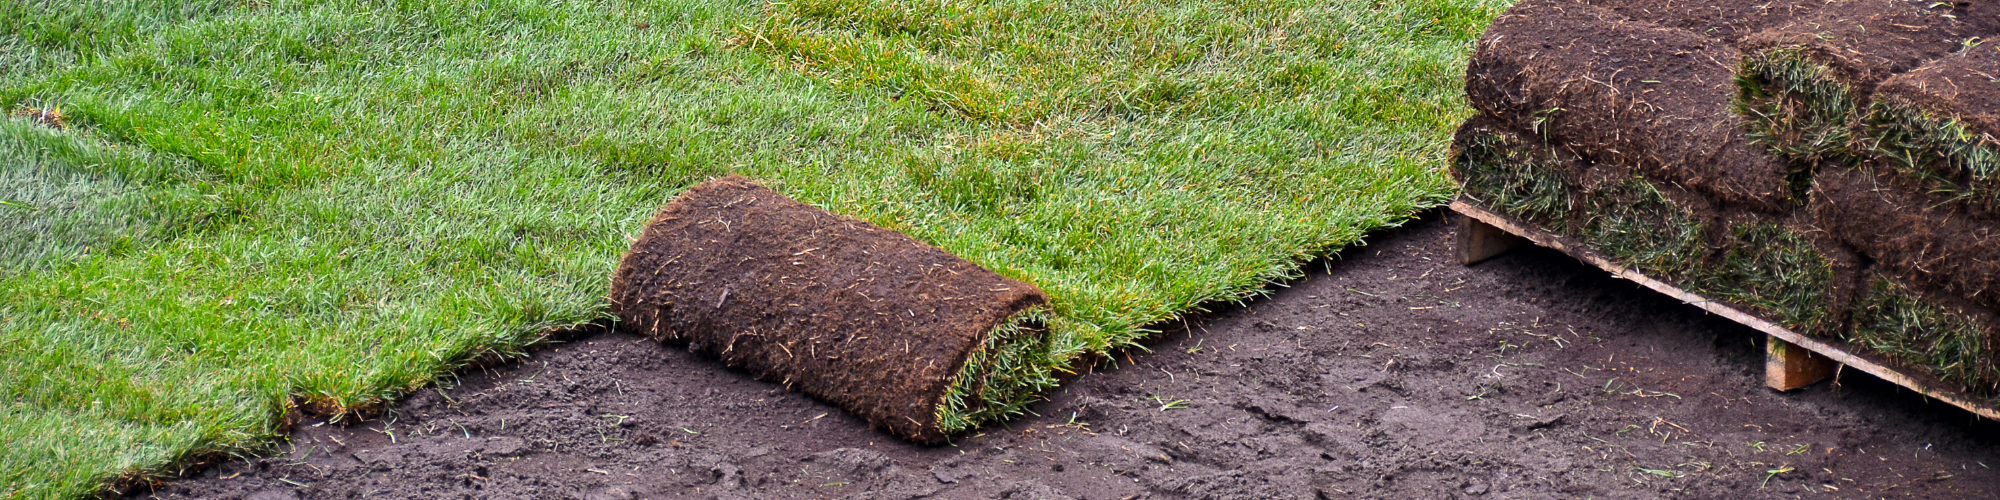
(1791,361)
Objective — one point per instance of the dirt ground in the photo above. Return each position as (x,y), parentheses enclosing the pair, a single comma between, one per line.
(1390,372)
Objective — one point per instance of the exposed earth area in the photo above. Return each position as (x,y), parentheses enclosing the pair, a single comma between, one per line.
(1391,371)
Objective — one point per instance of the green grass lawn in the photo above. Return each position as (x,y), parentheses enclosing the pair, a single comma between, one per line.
(253,205)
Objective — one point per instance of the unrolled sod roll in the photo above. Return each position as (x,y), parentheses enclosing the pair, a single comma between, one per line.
(896,331)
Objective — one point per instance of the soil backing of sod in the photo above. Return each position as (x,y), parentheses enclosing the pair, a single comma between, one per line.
(1939,126)
(1725,20)
(1626,93)
(905,335)
(1906,236)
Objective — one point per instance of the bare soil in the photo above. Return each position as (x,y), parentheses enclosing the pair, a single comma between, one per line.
(1389,372)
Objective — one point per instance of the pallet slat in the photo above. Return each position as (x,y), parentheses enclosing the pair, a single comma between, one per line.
(1796,365)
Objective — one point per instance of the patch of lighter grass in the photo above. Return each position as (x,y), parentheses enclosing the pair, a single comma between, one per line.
(375,192)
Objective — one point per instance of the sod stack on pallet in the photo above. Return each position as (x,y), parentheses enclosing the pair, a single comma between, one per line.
(1831,167)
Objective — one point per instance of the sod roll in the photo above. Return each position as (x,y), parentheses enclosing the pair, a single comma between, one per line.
(1626,93)
(1780,267)
(1908,237)
(1508,170)
(1939,127)
(1806,82)
(896,331)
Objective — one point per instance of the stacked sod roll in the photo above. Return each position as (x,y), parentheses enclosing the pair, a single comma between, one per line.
(1831,167)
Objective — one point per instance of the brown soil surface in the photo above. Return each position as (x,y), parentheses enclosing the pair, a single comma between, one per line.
(1864,42)
(865,317)
(1936,249)
(1626,93)
(1393,373)
(1725,20)
(1964,87)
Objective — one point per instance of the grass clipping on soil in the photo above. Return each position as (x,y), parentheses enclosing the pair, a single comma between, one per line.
(907,336)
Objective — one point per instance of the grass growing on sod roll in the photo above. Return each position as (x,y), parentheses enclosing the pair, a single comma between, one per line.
(905,335)
(1804,84)
(1773,270)
(1636,225)
(1940,125)
(345,200)
(1515,174)
(1953,344)
(1755,261)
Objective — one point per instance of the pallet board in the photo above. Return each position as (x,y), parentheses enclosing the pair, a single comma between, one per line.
(1793,360)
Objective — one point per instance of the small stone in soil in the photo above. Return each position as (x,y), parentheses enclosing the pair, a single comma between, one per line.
(1475,489)
(943,477)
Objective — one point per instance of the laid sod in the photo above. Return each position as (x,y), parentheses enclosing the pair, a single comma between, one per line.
(328,204)
(900,333)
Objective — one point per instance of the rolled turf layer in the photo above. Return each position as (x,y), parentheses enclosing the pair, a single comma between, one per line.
(1766,264)
(1907,237)
(1939,127)
(905,335)
(1626,92)
(1787,270)
(1804,84)
(1946,340)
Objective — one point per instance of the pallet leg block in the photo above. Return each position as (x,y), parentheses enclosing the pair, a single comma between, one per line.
(1788,366)
(1478,241)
